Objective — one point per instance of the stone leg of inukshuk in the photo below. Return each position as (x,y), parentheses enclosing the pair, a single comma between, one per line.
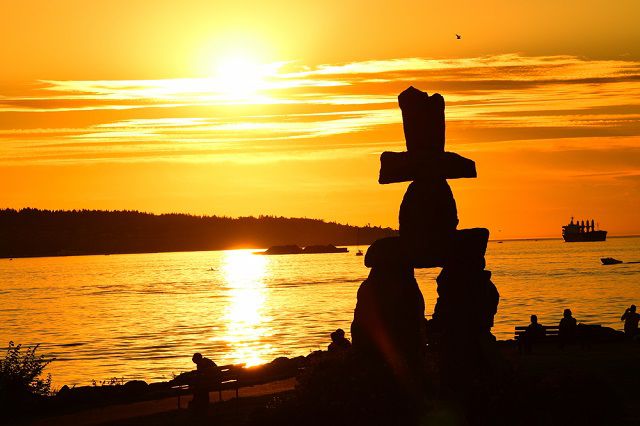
(388,324)
(389,315)
(463,315)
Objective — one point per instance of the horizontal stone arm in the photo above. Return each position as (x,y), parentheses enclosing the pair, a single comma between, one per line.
(409,166)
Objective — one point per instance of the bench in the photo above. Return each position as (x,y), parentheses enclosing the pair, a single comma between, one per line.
(585,335)
(550,332)
(230,376)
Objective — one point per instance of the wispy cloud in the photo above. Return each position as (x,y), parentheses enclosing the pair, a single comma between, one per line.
(341,109)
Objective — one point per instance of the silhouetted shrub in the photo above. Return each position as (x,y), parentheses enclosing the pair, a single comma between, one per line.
(20,376)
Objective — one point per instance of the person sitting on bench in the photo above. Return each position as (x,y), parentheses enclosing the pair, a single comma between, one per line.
(567,328)
(533,333)
(207,374)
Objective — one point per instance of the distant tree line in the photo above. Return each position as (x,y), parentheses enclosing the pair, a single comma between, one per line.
(33,232)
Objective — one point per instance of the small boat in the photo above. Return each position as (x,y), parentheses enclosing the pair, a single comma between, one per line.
(610,261)
(358,252)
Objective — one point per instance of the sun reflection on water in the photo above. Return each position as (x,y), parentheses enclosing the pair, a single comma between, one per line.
(246,326)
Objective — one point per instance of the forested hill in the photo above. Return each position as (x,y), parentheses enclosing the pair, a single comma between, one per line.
(33,232)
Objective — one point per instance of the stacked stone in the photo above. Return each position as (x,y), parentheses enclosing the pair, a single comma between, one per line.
(389,316)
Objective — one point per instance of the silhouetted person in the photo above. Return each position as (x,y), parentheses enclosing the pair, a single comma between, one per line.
(535,329)
(630,318)
(339,343)
(533,333)
(207,375)
(567,328)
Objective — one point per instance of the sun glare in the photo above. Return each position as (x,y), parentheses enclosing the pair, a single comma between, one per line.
(246,325)
(240,76)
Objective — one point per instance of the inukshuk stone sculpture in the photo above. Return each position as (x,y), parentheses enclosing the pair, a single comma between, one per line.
(389,322)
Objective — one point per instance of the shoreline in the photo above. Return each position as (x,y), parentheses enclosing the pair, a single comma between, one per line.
(493,240)
(608,365)
(120,379)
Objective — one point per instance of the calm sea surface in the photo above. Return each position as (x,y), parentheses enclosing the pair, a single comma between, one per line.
(142,316)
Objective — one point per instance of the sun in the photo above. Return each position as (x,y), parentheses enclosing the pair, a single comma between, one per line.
(240,77)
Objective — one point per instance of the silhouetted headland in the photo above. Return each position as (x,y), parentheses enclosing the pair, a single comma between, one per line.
(33,232)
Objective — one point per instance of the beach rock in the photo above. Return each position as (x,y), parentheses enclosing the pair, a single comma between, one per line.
(279,368)
(428,220)
(592,333)
(420,165)
(159,386)
(135,387)
(388,321)
(422,120)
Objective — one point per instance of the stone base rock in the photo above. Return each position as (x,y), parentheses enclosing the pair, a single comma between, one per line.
(388,321)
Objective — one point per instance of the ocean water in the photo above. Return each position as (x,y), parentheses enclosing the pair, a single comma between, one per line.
(142,316)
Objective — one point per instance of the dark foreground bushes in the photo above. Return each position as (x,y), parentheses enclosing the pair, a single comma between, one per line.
(21,382)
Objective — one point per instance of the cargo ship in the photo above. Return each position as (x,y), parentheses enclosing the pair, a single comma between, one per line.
(582,232)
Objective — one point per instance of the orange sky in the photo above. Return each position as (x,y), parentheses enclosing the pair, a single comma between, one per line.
(283,108)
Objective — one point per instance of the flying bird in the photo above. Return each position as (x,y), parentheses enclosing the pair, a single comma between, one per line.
(458,36)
